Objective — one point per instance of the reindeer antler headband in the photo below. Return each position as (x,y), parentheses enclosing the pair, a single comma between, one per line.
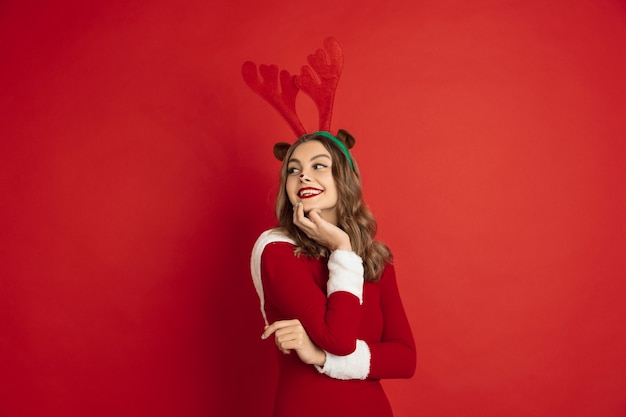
(328,64)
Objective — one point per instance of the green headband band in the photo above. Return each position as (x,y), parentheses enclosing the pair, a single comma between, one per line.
(339,143)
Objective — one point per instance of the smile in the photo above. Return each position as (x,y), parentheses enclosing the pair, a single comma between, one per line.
(308,192)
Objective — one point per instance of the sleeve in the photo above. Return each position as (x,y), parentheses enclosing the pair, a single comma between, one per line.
(331,322)
(393,356)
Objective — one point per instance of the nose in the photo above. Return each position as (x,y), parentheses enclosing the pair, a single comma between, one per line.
(304,178)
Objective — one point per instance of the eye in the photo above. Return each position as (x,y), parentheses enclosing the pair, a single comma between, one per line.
(292,170)
(319,166)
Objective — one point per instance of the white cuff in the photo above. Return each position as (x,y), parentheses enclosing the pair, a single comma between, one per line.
(345,270)
(353,366)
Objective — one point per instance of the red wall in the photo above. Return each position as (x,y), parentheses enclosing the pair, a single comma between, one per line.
(136,172)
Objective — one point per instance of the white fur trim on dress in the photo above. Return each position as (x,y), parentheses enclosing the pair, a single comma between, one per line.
(353,366)
(266,238)
(345,272)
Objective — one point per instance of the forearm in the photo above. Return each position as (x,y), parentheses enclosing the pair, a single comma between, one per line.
(345,281)
(393,355)
(372,361)
(318,358)
(330,317)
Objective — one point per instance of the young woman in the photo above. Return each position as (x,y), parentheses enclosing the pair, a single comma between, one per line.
(328,290)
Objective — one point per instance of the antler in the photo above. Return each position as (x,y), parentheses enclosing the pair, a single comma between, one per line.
(285,101)
(328,65)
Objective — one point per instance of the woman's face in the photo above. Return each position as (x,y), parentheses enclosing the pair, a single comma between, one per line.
(310,180)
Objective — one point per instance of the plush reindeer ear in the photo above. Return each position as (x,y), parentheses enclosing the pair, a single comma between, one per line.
(280,150)
(346,138)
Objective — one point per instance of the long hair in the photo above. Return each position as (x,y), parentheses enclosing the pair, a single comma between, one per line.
(353,216)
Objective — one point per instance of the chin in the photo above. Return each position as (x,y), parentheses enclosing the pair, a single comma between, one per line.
(309,207)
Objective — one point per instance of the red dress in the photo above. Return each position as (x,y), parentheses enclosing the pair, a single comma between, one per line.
(296,287)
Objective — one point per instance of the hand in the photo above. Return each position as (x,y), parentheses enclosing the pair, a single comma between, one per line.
(321,231)
(290,335)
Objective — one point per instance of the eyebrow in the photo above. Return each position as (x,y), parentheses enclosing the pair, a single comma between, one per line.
(322,155)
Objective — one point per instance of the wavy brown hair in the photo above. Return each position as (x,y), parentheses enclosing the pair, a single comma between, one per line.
(353,216)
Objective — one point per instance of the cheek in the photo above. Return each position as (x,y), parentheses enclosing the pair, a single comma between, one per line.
(332,192)
(291,188)
(331,185)
(335,195)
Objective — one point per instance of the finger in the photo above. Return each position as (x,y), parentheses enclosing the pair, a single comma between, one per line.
(281,324)
(298,210)
(284,333)
(316,217)
(299,218)
(294,331)
(290,334)
(292,342)
(285,341)
(308,227)
(283,345)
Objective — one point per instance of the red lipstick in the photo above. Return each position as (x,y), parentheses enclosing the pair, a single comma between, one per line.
(309,192)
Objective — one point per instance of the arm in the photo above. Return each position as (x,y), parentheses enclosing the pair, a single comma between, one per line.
(394,356)
(331,322)
(391,357)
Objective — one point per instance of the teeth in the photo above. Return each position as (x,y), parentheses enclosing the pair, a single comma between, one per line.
(306,193)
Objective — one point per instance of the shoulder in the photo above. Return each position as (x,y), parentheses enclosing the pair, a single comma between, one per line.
(271,236)
(268,239)
(274,235)
(388,274)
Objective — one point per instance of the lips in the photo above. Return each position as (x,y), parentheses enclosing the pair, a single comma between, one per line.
(309,192)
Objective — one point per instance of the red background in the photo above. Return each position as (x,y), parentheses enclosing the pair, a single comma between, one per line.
(136,173)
